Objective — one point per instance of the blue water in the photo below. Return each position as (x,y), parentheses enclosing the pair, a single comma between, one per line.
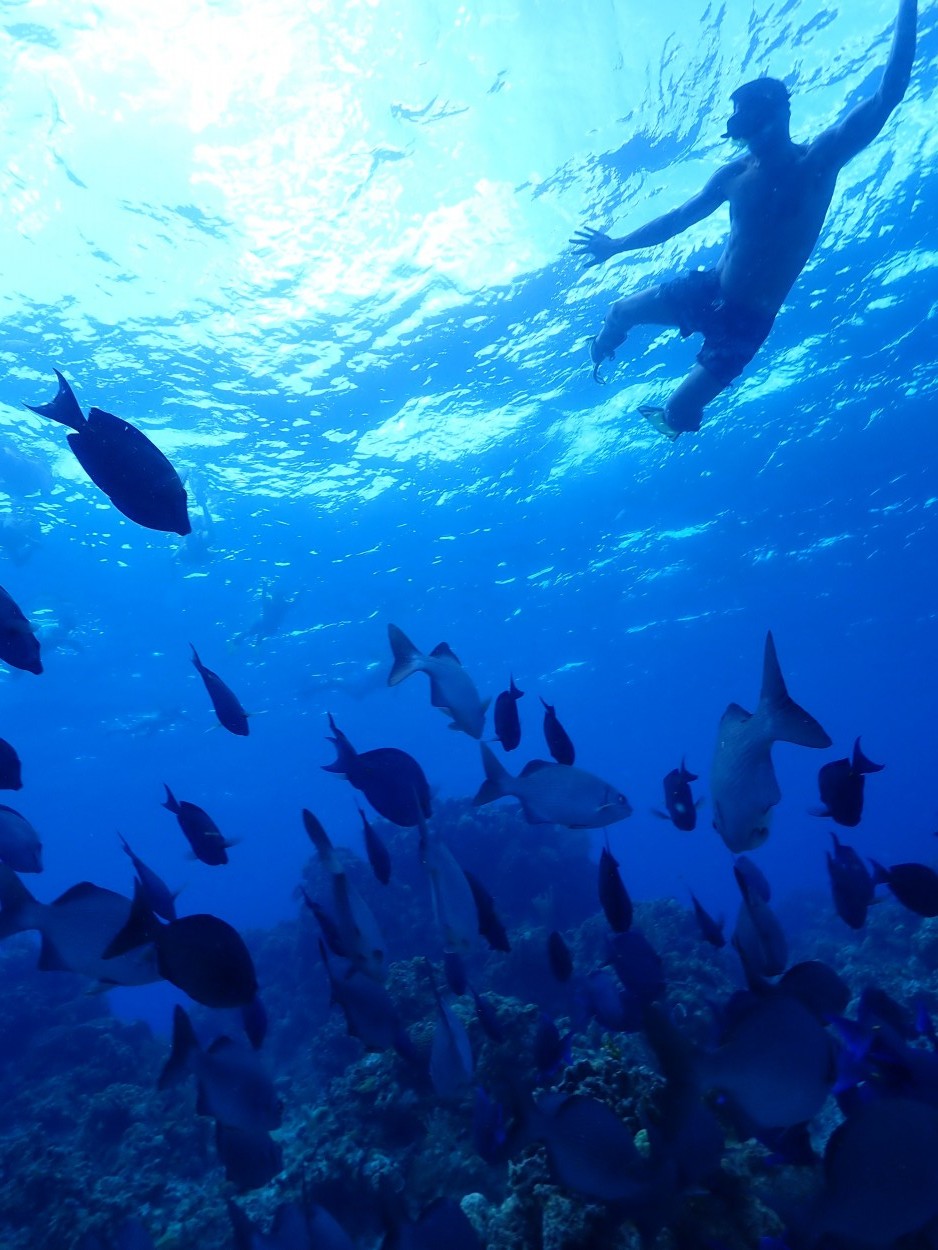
(319,254)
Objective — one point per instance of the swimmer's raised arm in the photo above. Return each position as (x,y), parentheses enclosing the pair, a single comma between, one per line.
(596,247)
(862,124)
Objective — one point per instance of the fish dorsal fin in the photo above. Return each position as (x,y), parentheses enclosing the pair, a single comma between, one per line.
(75,893)
(736,715)
(443,651)
(49,958)
(535,766)
(785,720)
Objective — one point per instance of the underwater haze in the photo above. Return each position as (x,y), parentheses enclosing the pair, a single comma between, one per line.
(319,254)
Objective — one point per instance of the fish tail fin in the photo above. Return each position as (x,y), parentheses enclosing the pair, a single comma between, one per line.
(63,408)
(319,838)
(15,901)
(863,765)
(185,1045)
(787,722)
(345,752)
(195,657)
(141,927)
(170,802)
(496,778)
(407,658)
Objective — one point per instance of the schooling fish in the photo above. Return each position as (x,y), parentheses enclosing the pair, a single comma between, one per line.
(231,715)
(852,884)
(681,809)
(559,957)
(710,930)
(378,855)
(20,847)
(359,937)
(454,904)
(914,885)
(490,924)
(613,896)
(451,688)
(556,737)
(507,721)
(122,462)
(742,780)
(369,1010)
(19,646)
(11,772)
(841,787)
(201,832)
(75,930)
(391,780)
(758,937)
(250,1160)
(553,793)
(159,896)
(451,1064)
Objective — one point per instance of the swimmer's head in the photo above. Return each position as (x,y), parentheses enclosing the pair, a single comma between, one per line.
(758,106)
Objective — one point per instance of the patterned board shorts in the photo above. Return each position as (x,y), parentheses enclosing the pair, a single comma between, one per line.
(732,333)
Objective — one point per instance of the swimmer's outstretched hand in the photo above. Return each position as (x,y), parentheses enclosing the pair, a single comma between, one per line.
(595,247)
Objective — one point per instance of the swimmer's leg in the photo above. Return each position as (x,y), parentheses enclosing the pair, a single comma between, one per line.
(651,307)
(684,410)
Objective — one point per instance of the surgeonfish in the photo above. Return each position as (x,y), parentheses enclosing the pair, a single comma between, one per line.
(11,770)
(742,780)
(201,832)
(231,715)
(680,807)
(19,646)
(159,896)
(454,904)
(357,930)
(391,780)
(20,847)
(558,740)
(505,715)
(841,784)
(852,884)
(451,688)
(613,896)
(369,1010)
(553,793)
(758,937)
(122,462)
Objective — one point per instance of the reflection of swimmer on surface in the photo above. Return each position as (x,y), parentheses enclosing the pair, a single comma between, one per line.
(20,536)
(274,608)
(196,547)
(779,193)
(147,724)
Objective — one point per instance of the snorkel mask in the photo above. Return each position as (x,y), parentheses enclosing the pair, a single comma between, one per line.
(755,105)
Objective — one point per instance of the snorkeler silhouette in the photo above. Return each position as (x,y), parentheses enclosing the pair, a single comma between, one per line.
(779,193)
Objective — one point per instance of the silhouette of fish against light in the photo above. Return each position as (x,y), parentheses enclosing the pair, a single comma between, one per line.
(451,688)
(507,721)
(742,780)
(122,462)
(681,809)
(201,832)
(355,934)
(613,896)
(11,772)
(852,884)
(841,784)
(557,739)
(391,780)
(231,715)
(19,646)
(915,886)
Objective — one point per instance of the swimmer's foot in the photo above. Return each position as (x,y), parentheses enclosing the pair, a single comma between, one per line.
(658,418)
(598,354)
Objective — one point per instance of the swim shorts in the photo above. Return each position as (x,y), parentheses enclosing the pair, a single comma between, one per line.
(732,333)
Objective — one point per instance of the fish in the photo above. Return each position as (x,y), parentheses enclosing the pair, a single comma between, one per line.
(159,896)
(202,955)
(758,937)
(358,934)
(490,924)
(488,1127)
(11,770)
(122,462)
(234,1088)
(451,1063)
(454,973)
(231,715)
(75,931)
(551,1049)
(637,965)
(20,847)
(915,886)
(841,784)
(451,688)
(852,884)
(680,807)
(559,958)
(391,780)
(505,715)
(558,794)
(369,1010)
(710,930)
(454,906)
(378,855)
(442,1224)
(817,987)
(613,896)
(743,784)
(201,832)
(250,1160)
(309,1227)
(755,878)
(487,1017)
(556,737)
(19,646)
(600,998)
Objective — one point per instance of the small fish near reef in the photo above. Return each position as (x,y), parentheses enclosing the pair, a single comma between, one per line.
(122,462)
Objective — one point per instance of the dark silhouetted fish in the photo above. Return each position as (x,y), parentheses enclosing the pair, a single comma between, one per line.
(231,715)
(817,987)
(19,646)
(378,855)
(451,1064)
(553,793)
(488,1127)
(755,878)
(159,896)
(507,721)
(556,737)
(454,972)
(20,847)
(758,937)
(122,462)
(359,937)
(914,885)
(637,965)
(369,1010)
(551,1049)
(841,786)
(201,832)
(11,772)
(490,924)
(391,780)
(250,1160)
(451,688)
(559,957)
(234,1088)
(454,906)
(76,929)
(680,807)
(852,884)
(613,896)
(742,780)
(600,998)
(710,930)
